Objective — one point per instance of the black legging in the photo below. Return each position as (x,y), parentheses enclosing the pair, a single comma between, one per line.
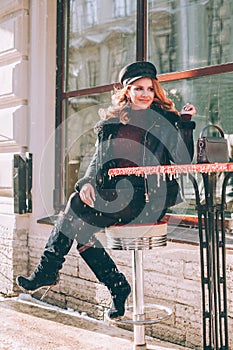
(125,208)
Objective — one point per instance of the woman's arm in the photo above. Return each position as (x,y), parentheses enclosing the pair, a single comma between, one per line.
(184,149)
(90,174)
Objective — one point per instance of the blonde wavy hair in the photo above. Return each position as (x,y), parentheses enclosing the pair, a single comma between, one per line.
(121,106)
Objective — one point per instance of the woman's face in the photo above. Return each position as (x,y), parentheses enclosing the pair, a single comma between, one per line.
(141,93)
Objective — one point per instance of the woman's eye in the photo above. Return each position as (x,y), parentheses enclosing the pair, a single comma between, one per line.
(139,88)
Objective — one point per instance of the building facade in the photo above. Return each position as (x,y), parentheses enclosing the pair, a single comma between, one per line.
(58,62)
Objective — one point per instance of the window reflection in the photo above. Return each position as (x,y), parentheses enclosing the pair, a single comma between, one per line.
(183,35)
(101,41)
(91,12)
(122,8)
(186,34)
(83,14)
(212,97)
(80,136)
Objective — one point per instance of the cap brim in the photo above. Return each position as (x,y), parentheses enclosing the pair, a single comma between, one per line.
(132,80)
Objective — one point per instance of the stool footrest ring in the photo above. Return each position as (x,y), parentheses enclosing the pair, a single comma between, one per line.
(153,313)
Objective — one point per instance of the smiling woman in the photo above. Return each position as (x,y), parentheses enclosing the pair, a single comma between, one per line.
(140,128)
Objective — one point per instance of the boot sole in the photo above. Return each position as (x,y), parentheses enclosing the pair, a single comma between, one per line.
(29,291)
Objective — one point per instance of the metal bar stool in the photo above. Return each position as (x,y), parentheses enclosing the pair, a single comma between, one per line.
(138,238)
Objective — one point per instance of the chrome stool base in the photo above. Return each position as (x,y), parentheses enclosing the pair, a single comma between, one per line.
(138,238)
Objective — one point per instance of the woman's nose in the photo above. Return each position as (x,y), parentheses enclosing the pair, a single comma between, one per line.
(144,92)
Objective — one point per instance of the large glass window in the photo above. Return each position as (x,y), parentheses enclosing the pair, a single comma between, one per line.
(190,42)
(100,38)
(186,34)
(212,96)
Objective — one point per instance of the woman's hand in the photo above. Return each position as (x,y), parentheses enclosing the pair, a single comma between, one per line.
(87,194)
(187,111)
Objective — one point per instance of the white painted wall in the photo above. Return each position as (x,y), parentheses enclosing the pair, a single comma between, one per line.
(27,119)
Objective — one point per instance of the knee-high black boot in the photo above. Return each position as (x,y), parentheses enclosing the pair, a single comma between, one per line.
(47,272)
(107,273)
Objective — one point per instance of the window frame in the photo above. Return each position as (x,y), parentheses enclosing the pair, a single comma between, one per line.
(141,54)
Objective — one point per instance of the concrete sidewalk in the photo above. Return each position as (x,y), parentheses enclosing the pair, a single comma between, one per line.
(27,324)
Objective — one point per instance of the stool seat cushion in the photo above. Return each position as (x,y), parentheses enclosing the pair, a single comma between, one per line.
(134,237)
(157,229)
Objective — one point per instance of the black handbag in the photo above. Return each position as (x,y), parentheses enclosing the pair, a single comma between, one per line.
(211,149)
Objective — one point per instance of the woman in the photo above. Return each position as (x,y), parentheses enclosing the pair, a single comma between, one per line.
(142,127)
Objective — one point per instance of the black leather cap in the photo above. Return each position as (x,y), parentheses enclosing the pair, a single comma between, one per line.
(137,70)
